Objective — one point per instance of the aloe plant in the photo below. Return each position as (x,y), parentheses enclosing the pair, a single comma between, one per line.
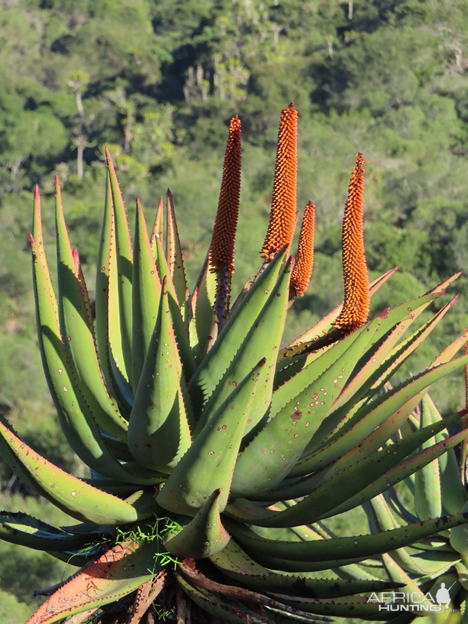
(216,454)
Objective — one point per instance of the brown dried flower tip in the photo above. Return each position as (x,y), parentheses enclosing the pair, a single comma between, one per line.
(283,206)
(356,283)
(302,271)
(224,232)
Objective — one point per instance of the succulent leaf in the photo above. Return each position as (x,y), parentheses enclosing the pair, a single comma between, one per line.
(452,491)
(352,473)
(262,341)
(159,429)
(382,417)
(218,359)
(124,261)
(77,498)
(19,528)
(428,495)
(356,607)
(158,228)
(146,294)
(235,563)
(284,438)
(397,474)
(230,610)
(203,536)
(174,256)
(76,418)
(209,463)
(325,324)
(362,546)
(77,334)
(202,303)
(119,571)
(180,328)
(108,313)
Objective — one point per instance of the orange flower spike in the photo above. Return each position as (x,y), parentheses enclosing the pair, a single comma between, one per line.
(356,283)
(224,232)
(302,271)
(283,206)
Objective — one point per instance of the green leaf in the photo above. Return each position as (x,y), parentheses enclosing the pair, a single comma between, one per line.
(124,259)
(397,574)
(382,417)
(381,364)
(174,256)
(146,295)
(208,465)
(202,302)
(19,528)
(388,327)
(159,429)
(350,474)
(428,496)
(180,328)
(108,315)
(76,418)
(214,366)
(262,341)
(323,502)
(76,327)
(73,496)
(362,546)
(279,445)
(325,324)
(158,228)
(351,606)
(416,563)
(399,473)
(235,563)
(451,487)
(203,536)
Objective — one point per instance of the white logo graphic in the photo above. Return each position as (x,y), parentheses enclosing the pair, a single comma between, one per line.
(443,595)
(413,601)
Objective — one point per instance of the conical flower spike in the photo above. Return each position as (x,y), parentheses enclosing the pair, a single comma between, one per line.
(302,271)
(224,232)
(283,206)
(221,258)
(356,283)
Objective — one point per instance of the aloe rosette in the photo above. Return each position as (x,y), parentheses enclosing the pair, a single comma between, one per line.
(216,455)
